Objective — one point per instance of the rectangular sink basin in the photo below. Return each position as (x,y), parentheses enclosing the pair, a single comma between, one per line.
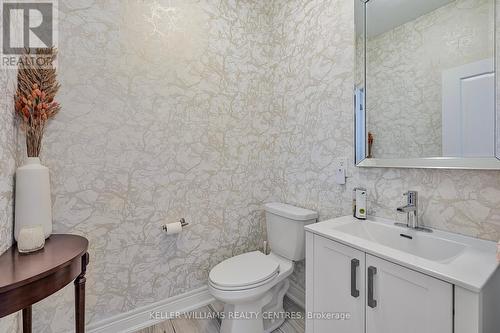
(464,261)
(417,243)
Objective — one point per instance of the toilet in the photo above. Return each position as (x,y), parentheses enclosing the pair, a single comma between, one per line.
(252,285)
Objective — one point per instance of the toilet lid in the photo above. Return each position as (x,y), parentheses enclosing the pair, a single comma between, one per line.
(243,270)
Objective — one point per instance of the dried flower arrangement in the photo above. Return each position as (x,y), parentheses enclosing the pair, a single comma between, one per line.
(371,140)
(34,100)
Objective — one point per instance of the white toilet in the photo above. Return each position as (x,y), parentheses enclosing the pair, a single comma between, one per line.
(252,285)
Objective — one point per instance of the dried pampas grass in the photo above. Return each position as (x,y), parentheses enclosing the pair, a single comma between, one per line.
(35,102)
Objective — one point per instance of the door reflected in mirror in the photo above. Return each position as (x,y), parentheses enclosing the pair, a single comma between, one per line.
(425,79)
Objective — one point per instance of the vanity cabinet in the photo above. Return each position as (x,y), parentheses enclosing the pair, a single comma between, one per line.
(338,286)
(402,300)
(377,296)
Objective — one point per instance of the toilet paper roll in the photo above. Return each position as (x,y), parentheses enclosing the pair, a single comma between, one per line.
(173,228)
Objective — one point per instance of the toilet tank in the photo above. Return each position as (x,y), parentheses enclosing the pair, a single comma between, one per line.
(285,229)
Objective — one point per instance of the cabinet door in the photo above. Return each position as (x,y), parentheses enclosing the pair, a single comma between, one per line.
(336,279)
(406,301)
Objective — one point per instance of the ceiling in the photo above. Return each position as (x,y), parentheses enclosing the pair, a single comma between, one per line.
(385,15)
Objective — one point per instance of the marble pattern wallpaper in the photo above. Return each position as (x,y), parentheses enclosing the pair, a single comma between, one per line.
(404,74)
(313,81)
(497,81)
(206,109)
(8,162)
(164,115)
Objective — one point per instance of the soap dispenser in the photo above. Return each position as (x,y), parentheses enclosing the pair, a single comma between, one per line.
(359,203)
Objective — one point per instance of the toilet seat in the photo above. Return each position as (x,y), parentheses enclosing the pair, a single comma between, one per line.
(245,271)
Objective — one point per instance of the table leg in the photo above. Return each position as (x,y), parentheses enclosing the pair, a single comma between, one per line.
(27,319)
(80,296)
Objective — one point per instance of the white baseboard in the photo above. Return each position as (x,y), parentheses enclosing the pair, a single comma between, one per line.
(297,294)
(141,317)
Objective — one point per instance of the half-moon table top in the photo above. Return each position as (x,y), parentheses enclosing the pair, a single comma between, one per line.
(17,269)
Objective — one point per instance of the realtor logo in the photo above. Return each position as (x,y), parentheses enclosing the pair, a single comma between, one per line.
(27,25)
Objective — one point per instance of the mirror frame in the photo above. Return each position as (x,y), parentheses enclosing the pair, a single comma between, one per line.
(483,163)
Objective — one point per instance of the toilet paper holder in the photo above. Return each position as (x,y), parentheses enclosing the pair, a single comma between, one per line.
(182,221)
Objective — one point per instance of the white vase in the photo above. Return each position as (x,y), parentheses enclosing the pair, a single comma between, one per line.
(33,205)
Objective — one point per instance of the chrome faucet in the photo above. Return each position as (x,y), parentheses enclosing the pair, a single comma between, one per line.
(411,210)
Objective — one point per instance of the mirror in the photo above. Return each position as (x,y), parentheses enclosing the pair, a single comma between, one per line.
(425,84)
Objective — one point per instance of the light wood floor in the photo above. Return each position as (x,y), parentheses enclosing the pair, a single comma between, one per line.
(192,325)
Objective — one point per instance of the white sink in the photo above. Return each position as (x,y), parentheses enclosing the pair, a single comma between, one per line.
(464,261)
(419,244)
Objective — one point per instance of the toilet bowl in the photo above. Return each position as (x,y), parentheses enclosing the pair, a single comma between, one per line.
(247,284)
(252,285)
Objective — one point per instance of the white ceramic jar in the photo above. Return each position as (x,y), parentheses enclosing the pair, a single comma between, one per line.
(30,239)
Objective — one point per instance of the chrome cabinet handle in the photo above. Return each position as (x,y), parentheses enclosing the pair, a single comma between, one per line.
(354,266)
(372,303)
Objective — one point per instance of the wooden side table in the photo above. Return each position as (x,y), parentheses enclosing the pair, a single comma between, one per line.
(28,278)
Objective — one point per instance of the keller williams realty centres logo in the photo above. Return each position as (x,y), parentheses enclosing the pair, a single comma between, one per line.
(27,25)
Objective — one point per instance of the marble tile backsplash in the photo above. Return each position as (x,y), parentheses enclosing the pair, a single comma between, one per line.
(206,114)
